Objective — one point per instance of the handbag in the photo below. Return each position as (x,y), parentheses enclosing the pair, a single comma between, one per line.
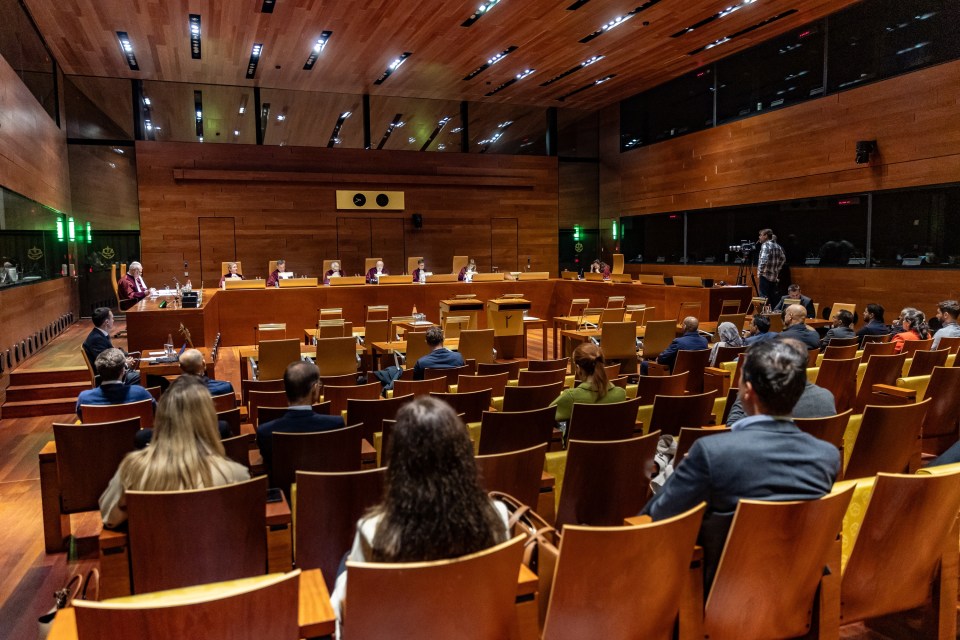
(76,587)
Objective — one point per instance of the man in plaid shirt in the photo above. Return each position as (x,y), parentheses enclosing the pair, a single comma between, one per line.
(769,264)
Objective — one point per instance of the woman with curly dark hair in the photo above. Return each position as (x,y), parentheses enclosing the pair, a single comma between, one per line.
(914,328)
(434,506)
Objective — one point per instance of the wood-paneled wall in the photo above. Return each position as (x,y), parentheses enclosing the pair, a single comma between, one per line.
(282,202)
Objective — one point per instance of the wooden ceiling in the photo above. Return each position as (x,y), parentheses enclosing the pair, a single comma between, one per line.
(368,35)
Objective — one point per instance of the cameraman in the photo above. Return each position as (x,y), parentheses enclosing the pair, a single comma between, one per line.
(769,264)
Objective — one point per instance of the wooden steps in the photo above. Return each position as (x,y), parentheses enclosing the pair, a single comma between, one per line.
(49,376)
(32,408)
(32,392)
(44,392)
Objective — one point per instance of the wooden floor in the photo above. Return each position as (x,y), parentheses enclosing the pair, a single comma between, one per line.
(30,576)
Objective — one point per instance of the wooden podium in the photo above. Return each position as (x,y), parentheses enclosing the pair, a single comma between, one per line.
(505,317)
(471,307)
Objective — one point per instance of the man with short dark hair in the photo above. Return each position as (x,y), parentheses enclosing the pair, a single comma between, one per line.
(691,340)
(842,320)
(873,322)
(948,310)
(760,330)
(98,341)
(439,357)
(793,293)
(769,263)
(301,382)
(794,326)
(764,457)
(273,280)
(112,365)
(192,363)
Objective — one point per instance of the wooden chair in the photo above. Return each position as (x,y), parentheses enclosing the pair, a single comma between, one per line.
(888,440)
(419,387)
(840,378)
(530,398)
(142,409)
(776,322)
(940,424)
(649,387)
(337,356)
(876,348)
(334,450)
(232,418)
(736,319)
(273,356)
(450,374)
(880,370)
(731,398)
(238,448)
(224,402)
(924,362)
(637,313)
(516,473)
(270,331)
(371,413)
(727,354)
(768,541)
(694,362)
(729,307)
(949,343)
(688,309)
(471,405)
(390,600)
(491,368)
(837,307)
(587,598)
(327,264)
(258,399)
(173,541)
(619,470)
(868,338)
(226,611)
(453,325)
(377,312)
(417,347)
(612,370)
(844,342)
(502,431)
(268,414)
(338,396)
(657,337)
(603,422)
(549,365)
(577,307)
(912,346)
(906,549)
(246,386)
(370,263)
(670,413)
(835,352)
(538,378)
(829,429)
(334,329)
(689,435)
(328,506)
(496,383)
(619,343)
(610,314)
(477,344)
(90,370)
(616,302)
(345,380)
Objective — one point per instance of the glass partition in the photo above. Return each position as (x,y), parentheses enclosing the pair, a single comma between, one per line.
(311,119)
(98,108)
(23,49)
(185,112)
(505,128)
(30,248)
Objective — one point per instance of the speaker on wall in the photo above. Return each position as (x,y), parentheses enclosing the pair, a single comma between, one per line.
(417,220)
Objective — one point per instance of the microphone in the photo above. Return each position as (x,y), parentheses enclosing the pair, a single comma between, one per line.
(185,272)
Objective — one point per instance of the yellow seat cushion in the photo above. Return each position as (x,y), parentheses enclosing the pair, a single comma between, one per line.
(917,383)
(850,437)
(556,464)
(855,512)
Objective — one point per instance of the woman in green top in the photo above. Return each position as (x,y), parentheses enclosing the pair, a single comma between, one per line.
(593,388)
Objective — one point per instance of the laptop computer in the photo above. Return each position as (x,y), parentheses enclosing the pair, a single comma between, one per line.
(169,359)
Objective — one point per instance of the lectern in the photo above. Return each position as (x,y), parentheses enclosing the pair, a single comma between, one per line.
(470,307)
(505,317)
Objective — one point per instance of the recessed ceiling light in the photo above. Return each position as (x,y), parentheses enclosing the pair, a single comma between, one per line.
(481,11)
(490,62)
(582,65)
(201,138)
(619,20)
(436,131)
(255,53)
(281,117)
(587,86)
(335,134)
(126,47)
(456,130)
(236,132)
(520,76)
(268,6)
(393,66)
(198,108)
(441,146)
(195,36)
(146,101)
(243,104)
(576,5)
(317,48)
(716,16)
(730,37)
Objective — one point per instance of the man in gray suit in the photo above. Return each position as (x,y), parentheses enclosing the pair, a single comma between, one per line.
(764,457)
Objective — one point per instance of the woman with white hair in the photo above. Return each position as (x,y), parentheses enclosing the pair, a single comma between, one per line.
(729,337)
(233,273)
(132,288)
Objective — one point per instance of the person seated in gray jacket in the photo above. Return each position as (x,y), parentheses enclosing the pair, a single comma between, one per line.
(842,328)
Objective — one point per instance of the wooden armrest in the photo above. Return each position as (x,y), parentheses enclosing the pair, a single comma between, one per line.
(715,371)
(635,520)
(49,452)
(899,392)
(112,539)
(547,480)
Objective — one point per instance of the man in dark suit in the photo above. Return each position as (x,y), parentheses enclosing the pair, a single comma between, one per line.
(794,326)
(691,340)
(111,363)
(98,341)
(873,324)
(793,293)
(438,358)
(191,363)
(764,457)
(301,381)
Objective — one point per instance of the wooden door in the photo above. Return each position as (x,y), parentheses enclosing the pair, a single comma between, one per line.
(353,244)
(504,244)
(218,243)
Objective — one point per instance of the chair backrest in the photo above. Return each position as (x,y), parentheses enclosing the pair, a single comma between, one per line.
(529,398)
(327,509)
(834,352)
(476,344)
(260,399)
(227,611)
(618,470)
(335,328)
(224,402)
(844,342)
(839,377)
(419,387)
(611,314)
(328,263)
(829,428)
(142,409)
(502,431)
(657,337)
(616,302)
(372,413)
(114,283)
(688,436)
(924,362)
(727,354)
(246,386)
(489,368)
(613,371)
(603,422)
(798,537)
(270,331)
(736,319)
(330,313)
(867,339)
(693,361)
(649,387)
(459,262)
(837,307)
(732,394)
(729,306)
(238,447)
(370,263)
(345,380)
(376,331)
(952,343)
(453,325)
(670,413)
(450,374)
(496,383)
(417,346)
(232,418)
(385,597)
(812,355)
(776,322)
(637,313)
(888,438)
(334,450)
(617,266)
(619,340)
(577,305)
(912,346)
(587,599)
(877,348)
(688,309)
(273,356)
(224,265)
(471,404)
(903,537)
(549,365)
(338,396)
(90,369)
(880,370)
(537,378)
(173,541)
(266,414)
(516,473)
(412,263)
(87,457)
(378,312)
(336,356)
(940,423)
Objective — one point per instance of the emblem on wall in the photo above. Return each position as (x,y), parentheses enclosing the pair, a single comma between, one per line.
(108,253)
(578,247)
(35,253)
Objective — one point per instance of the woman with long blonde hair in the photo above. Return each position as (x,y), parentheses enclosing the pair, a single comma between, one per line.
(184,453)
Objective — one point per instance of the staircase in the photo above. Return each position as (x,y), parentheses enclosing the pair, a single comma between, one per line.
(48,392)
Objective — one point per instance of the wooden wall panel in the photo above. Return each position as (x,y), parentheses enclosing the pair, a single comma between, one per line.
(503,244)
(353,244)
(217,245)
(283,201)
(386,241)
(27,309)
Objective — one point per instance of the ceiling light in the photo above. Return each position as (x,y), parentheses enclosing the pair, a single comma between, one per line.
(576,5)
(456,130)
(281,117)
(201,138)
(619,20)
(582,65)
(489,63)
(195,36)
(198,108)
(316,50)
(346,114)
(146,101)
(480,12)
(126,47)
(587,86)
(236,132)
(730,37)
(254,60)
(441,146)
(335,134)
(393,66)
(268,6)
(390,127)
(523,74)
(411,139)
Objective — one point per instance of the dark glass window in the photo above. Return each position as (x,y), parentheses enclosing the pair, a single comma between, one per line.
(780,72)
(23,49)
(654,238)
(882,38)
(919,227)
(678,107)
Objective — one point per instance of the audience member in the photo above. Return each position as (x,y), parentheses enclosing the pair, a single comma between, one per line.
(948,312)
(914,327)
(729,337)
(231,274)
(273,280)
(438,358)
(434,506)
(842,321)
(112,365)
(897,325)
(186,452)
(760,330)
(593,388)
(132,289)
(192,363)
(793,293)
(872,322)
(98,341)
(794,326)
(301,382)
(950,456)
(765,456)
(691,340)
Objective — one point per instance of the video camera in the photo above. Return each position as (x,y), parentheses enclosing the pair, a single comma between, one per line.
(744,249)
